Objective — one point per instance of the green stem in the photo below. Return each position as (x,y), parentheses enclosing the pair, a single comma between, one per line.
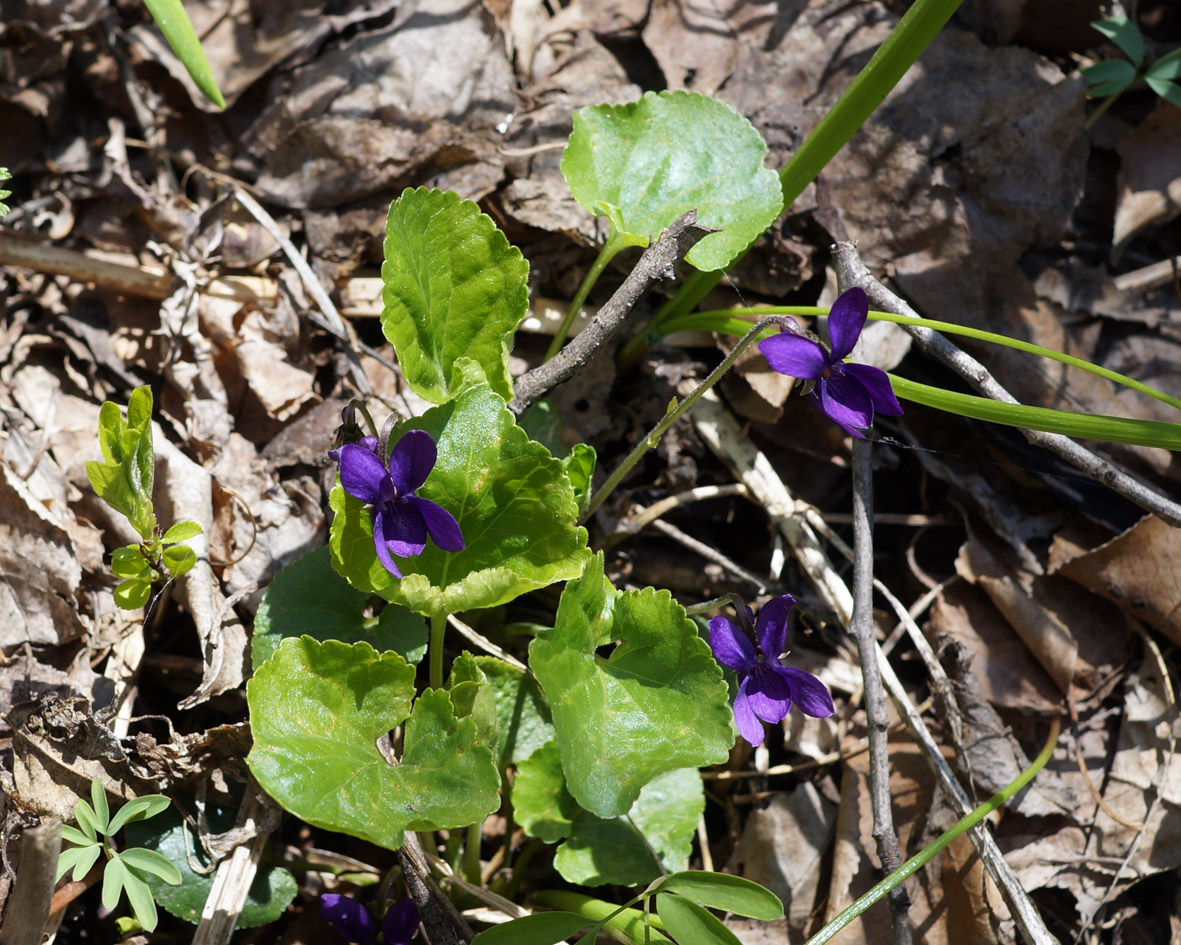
(898,53)
(1103,106)
(1085,426)
(674,412)
(438,630)
(621,922)
(727,322)
(471,854)
(920,859)
(610,248)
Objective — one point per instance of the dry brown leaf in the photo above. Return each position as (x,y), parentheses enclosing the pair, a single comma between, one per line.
(1008,674)
(364,115)
(1139,571)
(782,848)
(1150,176)
(696,41)
(39,573)
(1079,641)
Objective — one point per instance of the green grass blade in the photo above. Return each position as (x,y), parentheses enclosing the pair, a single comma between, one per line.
(174,23)
(1086,426)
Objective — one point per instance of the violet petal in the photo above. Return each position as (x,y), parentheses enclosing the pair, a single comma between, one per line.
(731,646)
(811,695)
(846,318)
(795,355)
(401,923)
(379,542)
(362,474)
(440,523)
(349,918)
(769,693)
(404,529)
(771,628)
(748,724)
(845,399)
(411,460)
(881,393)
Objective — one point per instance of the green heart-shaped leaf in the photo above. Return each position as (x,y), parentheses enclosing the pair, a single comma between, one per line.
(644,164)
(309,597)
(511,498)
(621,850)
(523,717)
(658,703)
(317,711)
(167,835)
(453,288)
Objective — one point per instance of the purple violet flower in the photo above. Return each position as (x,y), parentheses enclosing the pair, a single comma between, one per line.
(353,921)
(848,393)
(401,520)
(766,688)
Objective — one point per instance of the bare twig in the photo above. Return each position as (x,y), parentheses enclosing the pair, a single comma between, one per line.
(442,920)
(710,554)
(723,434)
(861,626)
(852,271)
(658,262)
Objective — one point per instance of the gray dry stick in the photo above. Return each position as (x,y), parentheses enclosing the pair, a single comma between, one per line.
(877,720)
(852,271)
(659,262)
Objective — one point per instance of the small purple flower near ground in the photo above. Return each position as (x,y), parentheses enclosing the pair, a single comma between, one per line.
(848,393)
(766,688)
(353,921)
(401,520)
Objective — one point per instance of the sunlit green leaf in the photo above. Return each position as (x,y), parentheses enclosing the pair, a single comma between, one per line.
(179,559)
(139,894)
(114,875)
(623,850)
(524,720)
(657,703)
(317,711)
(644,164)
(453,288)
(132,594)
(149,861)
(181,531)
(541,928)
(140,808)
(725,892)
(689,924)
(309,597)
(512,499)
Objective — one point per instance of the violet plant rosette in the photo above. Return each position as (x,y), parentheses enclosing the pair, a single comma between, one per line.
(850,394)
(766,688)
(401,520)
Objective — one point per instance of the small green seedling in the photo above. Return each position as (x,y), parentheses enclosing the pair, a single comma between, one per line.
(124,481)
(4,208)
(125,869)
(1112,78)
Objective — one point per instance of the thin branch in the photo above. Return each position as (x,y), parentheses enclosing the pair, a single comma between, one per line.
(861,626)
(724,435)
(659,262)
(852,271)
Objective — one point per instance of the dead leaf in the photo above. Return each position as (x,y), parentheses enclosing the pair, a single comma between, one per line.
(782,848)
(1139,571)
(1150,176)
(39,573)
